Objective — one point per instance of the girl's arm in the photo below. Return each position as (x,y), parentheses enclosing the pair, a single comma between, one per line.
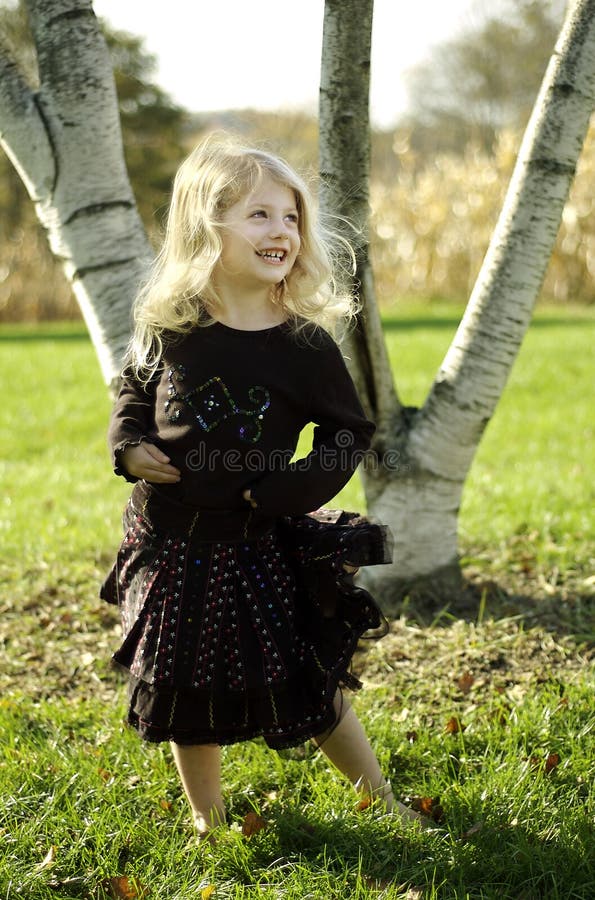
(341,437)
(132,422)
(149,462)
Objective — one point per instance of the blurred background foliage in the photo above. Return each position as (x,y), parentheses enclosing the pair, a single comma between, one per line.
(438,177)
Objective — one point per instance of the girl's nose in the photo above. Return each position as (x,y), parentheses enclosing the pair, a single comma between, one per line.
(279,229)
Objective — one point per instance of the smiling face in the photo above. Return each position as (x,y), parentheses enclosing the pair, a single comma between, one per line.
(261,238)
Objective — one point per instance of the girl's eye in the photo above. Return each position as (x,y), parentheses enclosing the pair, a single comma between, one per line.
(292,217)
(258,212)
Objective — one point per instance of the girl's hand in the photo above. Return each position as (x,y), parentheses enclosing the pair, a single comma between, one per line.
(351,570)
(147,461)
(246,496)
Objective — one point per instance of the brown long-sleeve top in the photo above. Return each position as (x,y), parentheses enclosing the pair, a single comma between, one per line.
(228,406)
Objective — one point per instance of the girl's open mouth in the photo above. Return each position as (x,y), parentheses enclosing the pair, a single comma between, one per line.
(275,256)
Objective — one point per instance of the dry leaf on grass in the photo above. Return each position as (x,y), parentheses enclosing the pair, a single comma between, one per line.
(49,860)
(405,893)
(471,831)
(551,762)
(207,892)
(120,887)
(429,807)
(465,682)
(252,824)
(454,725)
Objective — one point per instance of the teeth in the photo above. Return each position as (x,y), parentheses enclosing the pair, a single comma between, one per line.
(273,254)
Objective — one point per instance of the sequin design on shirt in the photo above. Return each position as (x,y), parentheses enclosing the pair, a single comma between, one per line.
(211,403)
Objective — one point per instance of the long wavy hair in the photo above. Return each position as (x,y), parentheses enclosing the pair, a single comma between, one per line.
(179,294)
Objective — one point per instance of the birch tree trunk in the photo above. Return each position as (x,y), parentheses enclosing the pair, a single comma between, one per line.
(345,172)
(416,482)
(64,139)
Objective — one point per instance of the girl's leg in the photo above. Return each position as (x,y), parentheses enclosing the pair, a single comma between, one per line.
(347,747)
(199,767)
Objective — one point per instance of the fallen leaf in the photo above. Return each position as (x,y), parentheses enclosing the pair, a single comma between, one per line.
(411,736)
(471,831)
(207,892)
(252,824)
(465,682)
(429,807)
(166,805)
(120,887)
(551,762)
(454,725)
(48,860)
(103,773)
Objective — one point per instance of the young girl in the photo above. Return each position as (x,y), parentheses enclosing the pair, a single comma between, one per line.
(235,624)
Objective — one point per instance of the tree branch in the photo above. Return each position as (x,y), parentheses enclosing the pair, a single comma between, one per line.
(476,367)
(25,136)
(74,168)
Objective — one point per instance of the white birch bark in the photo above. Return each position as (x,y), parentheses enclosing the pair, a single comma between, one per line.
(344,171)
(416,486)
(65,141)
(423,507)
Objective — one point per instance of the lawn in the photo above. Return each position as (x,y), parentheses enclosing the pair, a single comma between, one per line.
(486,717)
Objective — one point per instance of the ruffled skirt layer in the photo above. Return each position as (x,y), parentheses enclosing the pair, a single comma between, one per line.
(225,641)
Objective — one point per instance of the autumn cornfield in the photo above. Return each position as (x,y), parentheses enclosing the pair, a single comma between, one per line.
(430,226)
(432,223)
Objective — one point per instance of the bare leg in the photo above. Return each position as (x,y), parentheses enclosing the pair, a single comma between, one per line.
(199,767)
(348,748)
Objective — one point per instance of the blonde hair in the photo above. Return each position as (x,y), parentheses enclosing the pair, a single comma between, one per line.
(179,294)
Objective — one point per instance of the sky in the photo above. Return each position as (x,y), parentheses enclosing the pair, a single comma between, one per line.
(231,54)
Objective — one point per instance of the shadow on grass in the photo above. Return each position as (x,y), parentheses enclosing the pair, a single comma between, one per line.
(566,609)
(563,613)
(491,859)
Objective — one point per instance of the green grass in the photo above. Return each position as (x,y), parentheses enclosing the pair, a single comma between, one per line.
(529,495)
(73,778)
(82,784)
